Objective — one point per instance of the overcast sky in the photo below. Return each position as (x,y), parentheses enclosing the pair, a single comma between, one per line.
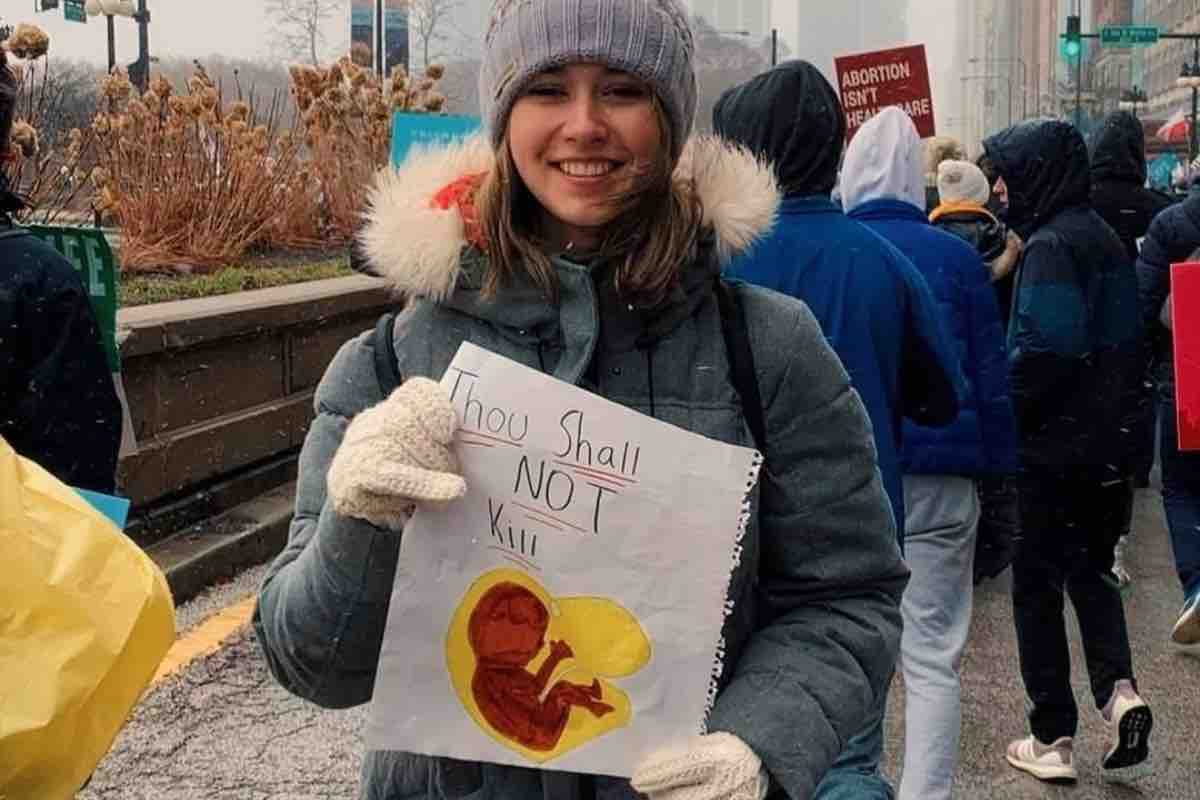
(241,29)
(191,28)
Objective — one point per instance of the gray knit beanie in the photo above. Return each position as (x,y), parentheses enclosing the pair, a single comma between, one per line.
(647,38)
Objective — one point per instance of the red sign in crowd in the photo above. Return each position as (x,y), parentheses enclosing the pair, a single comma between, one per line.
(870,82)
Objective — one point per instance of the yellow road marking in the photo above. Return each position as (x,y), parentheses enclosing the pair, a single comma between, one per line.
(205,639)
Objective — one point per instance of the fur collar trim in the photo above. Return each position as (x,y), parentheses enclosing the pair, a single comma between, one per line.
(417,247)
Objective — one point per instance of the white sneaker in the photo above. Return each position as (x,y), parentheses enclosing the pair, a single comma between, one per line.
(1129,721)
(1187,629)
(1052,762)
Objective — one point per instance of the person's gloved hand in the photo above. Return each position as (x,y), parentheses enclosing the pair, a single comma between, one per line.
(397,455)
(718,766)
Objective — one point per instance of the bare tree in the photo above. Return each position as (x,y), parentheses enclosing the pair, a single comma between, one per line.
(461,87)
(299,25)
(430,21)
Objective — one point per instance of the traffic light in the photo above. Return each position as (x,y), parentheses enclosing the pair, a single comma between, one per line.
(1073,43)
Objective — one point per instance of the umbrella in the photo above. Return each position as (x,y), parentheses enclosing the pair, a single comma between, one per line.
(1177,128)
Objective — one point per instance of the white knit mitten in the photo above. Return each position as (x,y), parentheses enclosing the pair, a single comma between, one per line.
(397,455)
(718,766)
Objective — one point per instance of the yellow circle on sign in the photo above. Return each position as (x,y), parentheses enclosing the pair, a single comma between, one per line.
(606,642)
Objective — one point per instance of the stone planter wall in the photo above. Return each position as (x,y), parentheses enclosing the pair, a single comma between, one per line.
(221,385)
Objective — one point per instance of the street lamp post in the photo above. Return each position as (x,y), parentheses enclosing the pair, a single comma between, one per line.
(140,69)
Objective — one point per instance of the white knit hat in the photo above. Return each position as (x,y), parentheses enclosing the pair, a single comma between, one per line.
(962,181)
(648,38)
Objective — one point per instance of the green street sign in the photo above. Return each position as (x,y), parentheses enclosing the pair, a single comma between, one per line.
(74,11)
(89,252)
(1128,35)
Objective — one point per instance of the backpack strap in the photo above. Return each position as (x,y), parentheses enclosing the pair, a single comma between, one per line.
(387,371)
(741,360)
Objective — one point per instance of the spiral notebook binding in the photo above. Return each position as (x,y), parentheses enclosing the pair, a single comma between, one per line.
(718,668)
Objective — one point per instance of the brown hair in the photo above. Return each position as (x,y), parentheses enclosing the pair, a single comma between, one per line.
(652,239)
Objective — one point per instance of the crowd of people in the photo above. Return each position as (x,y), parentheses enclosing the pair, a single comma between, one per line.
(961,365)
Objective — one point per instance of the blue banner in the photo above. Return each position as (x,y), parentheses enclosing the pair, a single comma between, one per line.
(426,131)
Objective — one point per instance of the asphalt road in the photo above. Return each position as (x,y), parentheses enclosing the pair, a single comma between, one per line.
(222,729)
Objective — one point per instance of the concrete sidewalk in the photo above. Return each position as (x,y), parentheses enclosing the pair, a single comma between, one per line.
(222,729)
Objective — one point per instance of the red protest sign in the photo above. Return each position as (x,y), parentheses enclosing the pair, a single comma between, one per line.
(1185,329)
(869,82)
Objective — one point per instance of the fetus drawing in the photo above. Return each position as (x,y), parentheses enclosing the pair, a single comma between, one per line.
(507,629)
(534,671)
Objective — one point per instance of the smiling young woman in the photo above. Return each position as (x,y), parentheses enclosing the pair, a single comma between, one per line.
(584,236)
(585,167)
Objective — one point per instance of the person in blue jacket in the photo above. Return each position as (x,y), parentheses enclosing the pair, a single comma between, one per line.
(883,187)
(874,307)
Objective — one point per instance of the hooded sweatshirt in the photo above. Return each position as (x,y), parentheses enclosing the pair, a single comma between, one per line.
(884,184)
(873,306)
(1119,194)
(1074,337)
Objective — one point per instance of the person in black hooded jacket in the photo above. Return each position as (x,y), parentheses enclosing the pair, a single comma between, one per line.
(1120,197)
(1074,352)
(58,404)
(1119,193)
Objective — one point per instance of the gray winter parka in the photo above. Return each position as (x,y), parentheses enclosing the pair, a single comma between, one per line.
(815,627)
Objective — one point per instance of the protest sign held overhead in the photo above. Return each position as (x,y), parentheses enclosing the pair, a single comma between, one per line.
(567,612)
(870,82)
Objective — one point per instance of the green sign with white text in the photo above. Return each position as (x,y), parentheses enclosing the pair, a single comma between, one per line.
(88,250)
(74,11)
(1128,35)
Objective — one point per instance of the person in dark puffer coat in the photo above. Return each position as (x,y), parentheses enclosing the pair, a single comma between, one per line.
(58,404)
(1119,194)
(1174,236)
(1074,350)
(1120,197)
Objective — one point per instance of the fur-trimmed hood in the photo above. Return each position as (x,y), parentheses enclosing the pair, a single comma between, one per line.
(417,247)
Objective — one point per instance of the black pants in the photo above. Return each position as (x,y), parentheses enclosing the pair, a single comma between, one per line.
(1068,528)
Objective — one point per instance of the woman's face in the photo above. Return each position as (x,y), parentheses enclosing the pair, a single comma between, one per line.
(580,135)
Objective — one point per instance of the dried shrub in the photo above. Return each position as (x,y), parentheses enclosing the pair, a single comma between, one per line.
(345,127)
(51,166)
(192,183)
(28,42)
